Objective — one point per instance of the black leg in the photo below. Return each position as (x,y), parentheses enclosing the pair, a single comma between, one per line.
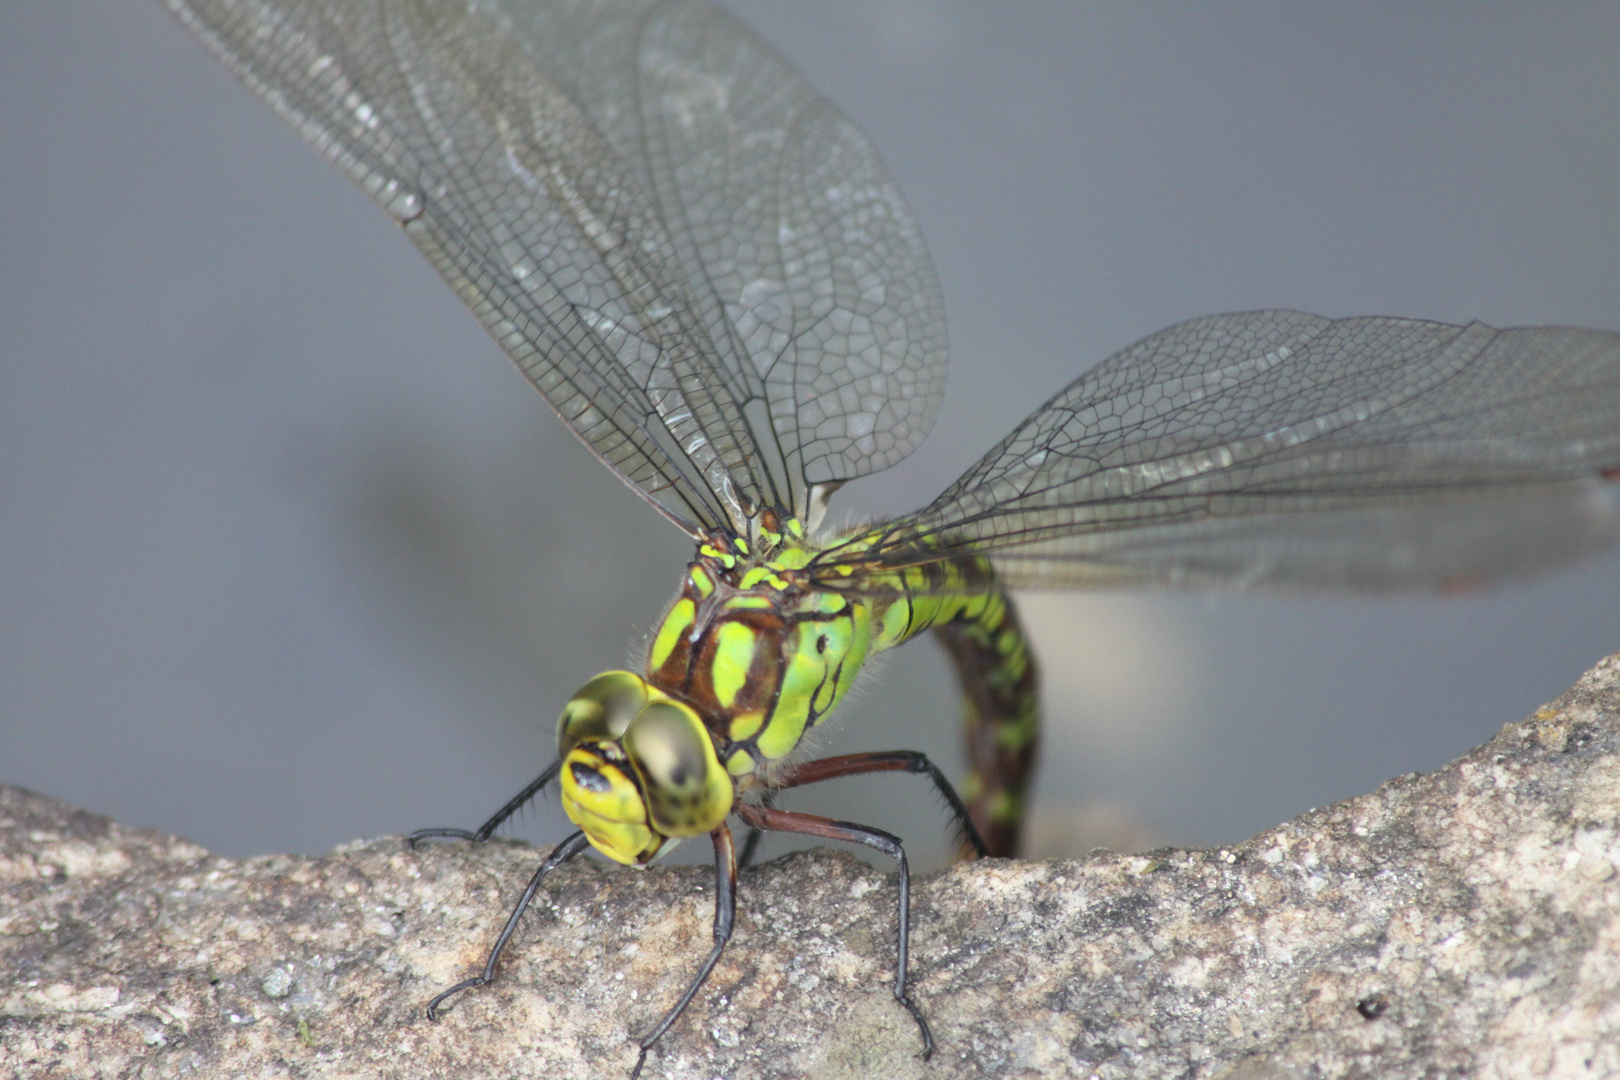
(911,761)
(487,829)
(725,916)
(559,855)
(772,820)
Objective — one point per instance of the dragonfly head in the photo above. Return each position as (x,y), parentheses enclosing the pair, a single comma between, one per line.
(639,770)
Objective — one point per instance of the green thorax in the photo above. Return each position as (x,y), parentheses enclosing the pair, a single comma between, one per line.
(765,640)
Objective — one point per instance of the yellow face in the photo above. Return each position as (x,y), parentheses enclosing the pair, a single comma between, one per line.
(639,770)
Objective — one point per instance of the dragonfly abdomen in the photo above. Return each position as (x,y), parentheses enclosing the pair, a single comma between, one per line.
(977,623)
(1001,711)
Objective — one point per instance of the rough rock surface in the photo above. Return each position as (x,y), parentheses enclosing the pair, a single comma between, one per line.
(1461,923)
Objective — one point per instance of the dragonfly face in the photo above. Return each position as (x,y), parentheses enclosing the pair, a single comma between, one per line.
(639,771)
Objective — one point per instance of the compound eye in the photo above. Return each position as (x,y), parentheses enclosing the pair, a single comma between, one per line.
(668,744)
(686,790)
(601,710)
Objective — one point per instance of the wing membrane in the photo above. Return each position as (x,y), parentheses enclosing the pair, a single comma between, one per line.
(701,264)
(812,278)
(1274,447)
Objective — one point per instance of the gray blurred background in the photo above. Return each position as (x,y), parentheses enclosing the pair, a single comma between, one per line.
(289,554)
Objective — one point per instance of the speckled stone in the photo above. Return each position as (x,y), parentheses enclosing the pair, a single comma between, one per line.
(1466,922)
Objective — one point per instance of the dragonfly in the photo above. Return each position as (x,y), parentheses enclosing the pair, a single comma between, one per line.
(706,270)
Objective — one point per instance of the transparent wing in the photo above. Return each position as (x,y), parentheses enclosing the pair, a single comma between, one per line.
(811,277)
(1274,447)
(699,263)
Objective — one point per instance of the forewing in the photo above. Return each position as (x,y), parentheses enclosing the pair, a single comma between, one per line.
(1274,447)
(652,213)
(810,275)
(808,250)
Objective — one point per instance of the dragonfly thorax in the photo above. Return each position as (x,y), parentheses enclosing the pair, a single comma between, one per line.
(749,656)
(758,649)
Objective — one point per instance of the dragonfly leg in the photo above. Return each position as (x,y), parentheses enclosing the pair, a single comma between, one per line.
(496,820)
(773,820)
(725,917)
(750,846)
(559,855)
(911,761)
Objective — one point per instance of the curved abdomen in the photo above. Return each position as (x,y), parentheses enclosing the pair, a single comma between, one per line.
(977,623)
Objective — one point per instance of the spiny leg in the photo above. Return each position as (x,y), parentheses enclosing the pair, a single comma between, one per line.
(911,761)
(499,818)
(725,917)
(559,855)
(773,820)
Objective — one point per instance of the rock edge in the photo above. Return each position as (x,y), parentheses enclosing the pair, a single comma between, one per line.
(1461,922)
